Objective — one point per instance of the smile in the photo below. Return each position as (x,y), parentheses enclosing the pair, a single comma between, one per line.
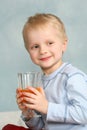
(45,58)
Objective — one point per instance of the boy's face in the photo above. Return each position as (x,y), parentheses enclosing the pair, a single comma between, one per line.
(45,47)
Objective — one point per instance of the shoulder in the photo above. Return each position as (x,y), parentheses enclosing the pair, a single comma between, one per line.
(70,71)
(76,79)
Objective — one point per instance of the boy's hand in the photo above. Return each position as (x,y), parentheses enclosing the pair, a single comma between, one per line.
(19,100)
(35,100)
(26,112)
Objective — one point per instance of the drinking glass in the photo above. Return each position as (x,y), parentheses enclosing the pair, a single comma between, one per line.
(33,79)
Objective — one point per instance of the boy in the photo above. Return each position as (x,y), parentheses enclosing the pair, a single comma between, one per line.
(62,101)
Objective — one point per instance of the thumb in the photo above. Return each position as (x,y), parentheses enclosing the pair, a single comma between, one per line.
(41,90)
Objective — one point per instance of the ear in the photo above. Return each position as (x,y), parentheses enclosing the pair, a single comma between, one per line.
(65,45)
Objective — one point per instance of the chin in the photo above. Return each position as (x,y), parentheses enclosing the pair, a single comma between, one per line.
(46,67)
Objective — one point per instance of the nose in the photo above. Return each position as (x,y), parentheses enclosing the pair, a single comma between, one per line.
(43,49)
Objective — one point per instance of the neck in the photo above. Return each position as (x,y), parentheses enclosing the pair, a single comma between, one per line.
(51,69)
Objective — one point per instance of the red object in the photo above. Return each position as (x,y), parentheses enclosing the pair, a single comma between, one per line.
(14,127)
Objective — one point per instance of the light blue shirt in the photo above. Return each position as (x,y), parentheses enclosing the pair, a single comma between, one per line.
(66,91)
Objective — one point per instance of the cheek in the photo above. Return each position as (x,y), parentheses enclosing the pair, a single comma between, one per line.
(33,57)
(61,49)
(58,50)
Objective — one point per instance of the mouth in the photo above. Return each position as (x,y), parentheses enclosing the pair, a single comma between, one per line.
(45,58)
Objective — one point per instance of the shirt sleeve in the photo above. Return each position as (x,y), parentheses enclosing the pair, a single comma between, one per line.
(74,109)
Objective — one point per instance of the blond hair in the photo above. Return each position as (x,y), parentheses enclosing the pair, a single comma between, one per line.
(42,19)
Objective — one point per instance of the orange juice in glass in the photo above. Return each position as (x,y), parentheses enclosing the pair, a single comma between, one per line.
(29,91)
(33,79)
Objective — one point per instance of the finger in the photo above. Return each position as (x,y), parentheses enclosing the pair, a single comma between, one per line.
(30,106)
(22,107)
(29,100)
(19,94)
(41,91)
(18,90)
(19,100)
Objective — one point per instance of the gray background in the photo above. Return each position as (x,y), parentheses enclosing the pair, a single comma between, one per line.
(13,56)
